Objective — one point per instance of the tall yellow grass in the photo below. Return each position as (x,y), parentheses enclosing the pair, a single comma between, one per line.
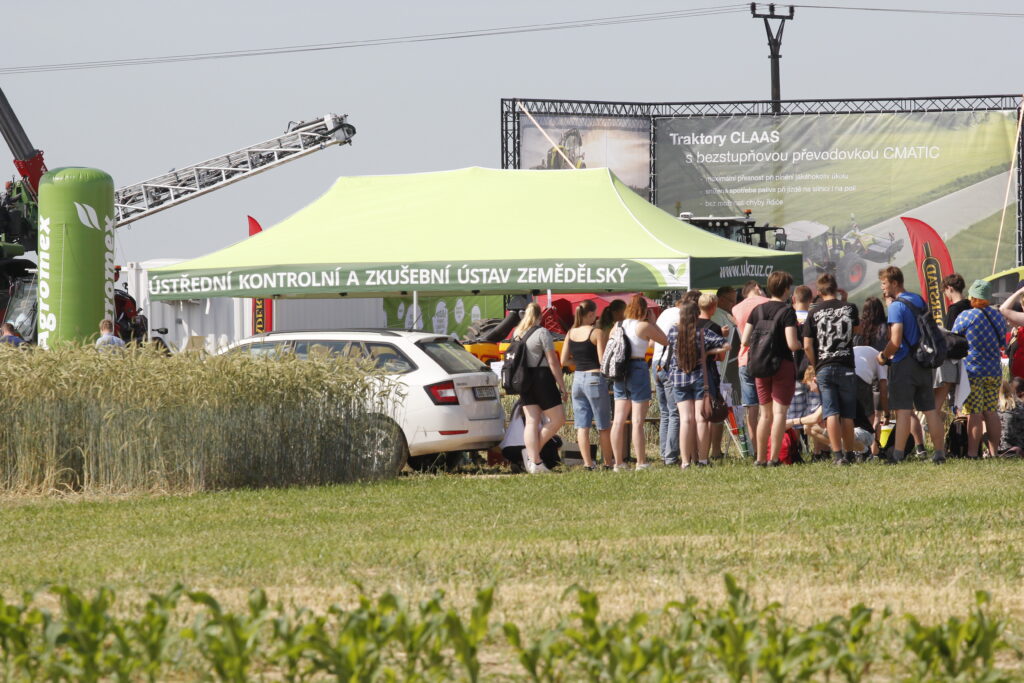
(120,421)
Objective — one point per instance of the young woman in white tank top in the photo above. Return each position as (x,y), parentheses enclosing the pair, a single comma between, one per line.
(633,393)
(637,344)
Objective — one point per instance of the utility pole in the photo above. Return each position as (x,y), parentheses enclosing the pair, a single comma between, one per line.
(774,45)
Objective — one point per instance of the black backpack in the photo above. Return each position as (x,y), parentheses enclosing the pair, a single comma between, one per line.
(956,438)
(515,375)
(931,348)
(762,358)
(956,345)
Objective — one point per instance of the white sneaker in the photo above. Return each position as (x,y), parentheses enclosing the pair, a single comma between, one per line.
(621,468)
(540,468)
(527,463)
(643,466)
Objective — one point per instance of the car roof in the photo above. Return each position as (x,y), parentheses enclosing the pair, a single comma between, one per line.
(355,333)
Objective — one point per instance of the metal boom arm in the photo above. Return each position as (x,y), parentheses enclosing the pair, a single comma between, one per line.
(162,192)
(27,159)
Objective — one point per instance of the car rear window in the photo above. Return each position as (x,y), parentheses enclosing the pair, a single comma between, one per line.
(452,357)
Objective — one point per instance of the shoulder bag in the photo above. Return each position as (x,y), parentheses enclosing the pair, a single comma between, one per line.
(713,408)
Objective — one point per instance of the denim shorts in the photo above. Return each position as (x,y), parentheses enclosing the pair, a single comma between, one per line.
(689,392)
(838,387)
(637,385)
(748,388)
(590,400)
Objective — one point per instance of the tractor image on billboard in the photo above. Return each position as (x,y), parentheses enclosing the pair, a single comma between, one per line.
(570,146)
(843,254)
(825,249)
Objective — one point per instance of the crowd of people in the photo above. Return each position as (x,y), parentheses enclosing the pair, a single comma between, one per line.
(804,370)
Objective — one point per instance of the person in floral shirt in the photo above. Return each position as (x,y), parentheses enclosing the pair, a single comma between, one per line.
(985,330)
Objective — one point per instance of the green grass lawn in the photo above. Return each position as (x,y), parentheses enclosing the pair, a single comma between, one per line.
(817,538)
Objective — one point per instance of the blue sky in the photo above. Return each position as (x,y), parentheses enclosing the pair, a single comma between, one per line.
(430,106)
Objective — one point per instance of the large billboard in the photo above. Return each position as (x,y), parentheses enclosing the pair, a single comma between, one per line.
(837,175)
(839,184)
(622,144)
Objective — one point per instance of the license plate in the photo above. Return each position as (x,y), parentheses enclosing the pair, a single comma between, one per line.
(485,393)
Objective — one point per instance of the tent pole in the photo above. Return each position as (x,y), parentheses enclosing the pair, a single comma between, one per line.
(415,308)
(549,298)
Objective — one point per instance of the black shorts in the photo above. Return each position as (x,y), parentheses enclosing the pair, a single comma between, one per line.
(543,391)
(911,386)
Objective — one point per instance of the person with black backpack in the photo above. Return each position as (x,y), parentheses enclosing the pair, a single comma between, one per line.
(910,381)
(544,389)
(771,335)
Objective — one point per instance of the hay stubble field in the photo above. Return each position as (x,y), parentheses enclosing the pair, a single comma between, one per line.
(816,538)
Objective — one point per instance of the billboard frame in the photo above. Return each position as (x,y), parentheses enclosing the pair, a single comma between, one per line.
(511,111)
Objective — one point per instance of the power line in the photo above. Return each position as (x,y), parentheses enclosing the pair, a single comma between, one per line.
(373,42)
(475,33)
(959,13)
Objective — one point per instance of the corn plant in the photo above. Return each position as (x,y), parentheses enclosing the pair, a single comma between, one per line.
(352,646)
(732,632)
(849,644)
(19,645)
(149,636)
(229,642)
(467,638)
(546,658)
(957,649)
(420,638)
(384,639)
(617,650)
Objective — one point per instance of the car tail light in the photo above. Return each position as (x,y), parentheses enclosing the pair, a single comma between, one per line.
(443,393)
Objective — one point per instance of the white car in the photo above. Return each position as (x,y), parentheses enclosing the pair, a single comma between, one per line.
(451,398)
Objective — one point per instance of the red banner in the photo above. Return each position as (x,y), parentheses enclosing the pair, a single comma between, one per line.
(933,263)
(262,309)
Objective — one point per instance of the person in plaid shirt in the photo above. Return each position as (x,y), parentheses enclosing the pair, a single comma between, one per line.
(687,376)
(807,404)
(985,330)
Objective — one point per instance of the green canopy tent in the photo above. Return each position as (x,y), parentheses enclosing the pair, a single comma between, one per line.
(471,230)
